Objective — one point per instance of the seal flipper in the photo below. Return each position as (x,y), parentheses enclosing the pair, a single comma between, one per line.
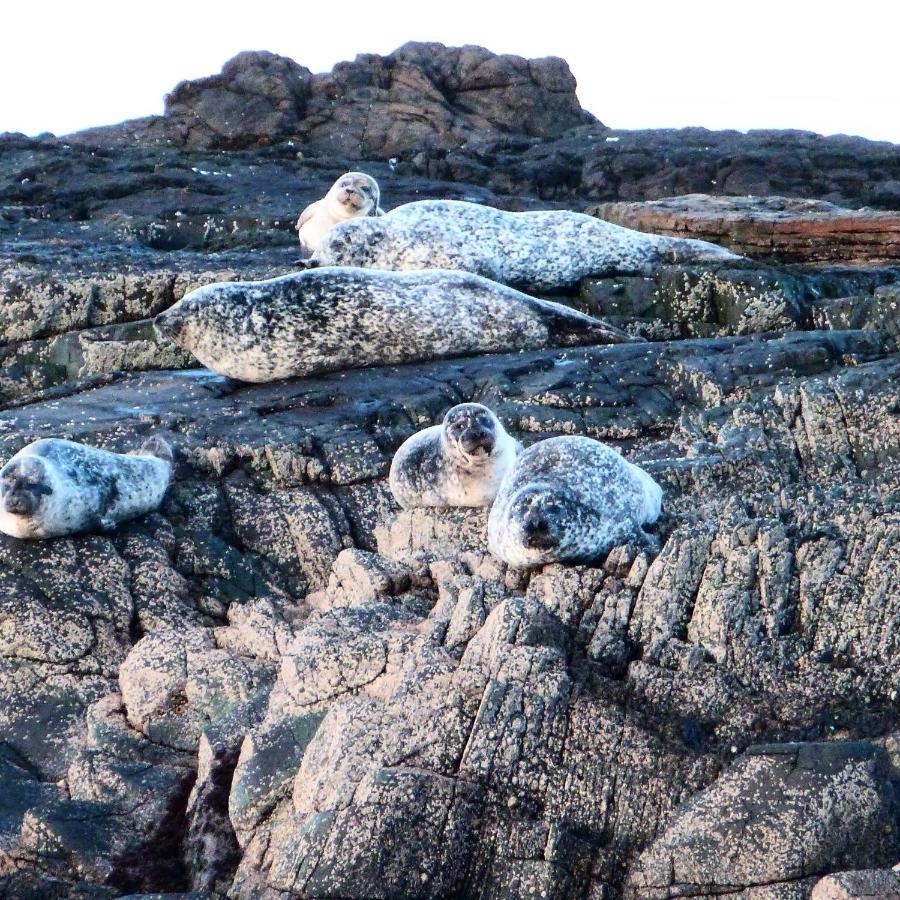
(647,541)
(569,327)
(155,446)
(107,524)
(680,251)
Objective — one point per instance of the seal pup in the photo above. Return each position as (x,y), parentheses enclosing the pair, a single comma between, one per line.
(327,319)
(354,194)
(570,499)
(546,250)
(460,462)
(55,487)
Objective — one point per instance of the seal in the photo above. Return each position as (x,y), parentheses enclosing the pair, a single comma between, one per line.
(460,462)
(570,499)
(327,319)
(546,250)
(55,487)
(354,194)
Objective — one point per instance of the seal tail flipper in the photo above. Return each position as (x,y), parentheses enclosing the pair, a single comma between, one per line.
(158,447)
(687,250)
(568,327)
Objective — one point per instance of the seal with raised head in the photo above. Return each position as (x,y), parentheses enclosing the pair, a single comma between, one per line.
(460,462)
(353,195)
(570,499)
(546,250)
(55,487)
(323,320)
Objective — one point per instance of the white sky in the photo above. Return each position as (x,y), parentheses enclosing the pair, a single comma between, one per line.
(826,67)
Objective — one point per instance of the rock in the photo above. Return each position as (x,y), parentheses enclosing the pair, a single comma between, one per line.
(883,884)
(456,94)
(258,95)
(175,683)
(775,228)
(279,685)
(745,298)
(780,814)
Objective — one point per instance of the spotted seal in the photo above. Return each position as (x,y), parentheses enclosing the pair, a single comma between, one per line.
(457,463)
(570,499)
(546,250)
(55,487)
(353,195)
(327,319)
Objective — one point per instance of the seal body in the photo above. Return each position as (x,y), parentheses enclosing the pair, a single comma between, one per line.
(327,319)
(56,487)
(570,499)
(460,462)
(353,195)
(542,250)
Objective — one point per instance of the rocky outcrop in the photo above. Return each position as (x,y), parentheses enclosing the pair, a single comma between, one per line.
(514,126)
(422,97)
(771,227)
(780,816)
(280,686)
(879,884)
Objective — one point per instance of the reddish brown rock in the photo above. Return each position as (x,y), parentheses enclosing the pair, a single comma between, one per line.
(778,228)
(421,97)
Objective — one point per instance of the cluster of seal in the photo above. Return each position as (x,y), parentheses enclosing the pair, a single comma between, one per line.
(328,319)
(570,499)
(460,462)
(55,487)
(545,250)
(353,195)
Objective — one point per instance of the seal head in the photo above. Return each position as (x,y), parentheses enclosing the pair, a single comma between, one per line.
(545,521)
(24,487)
(460,462)
(354,194)
(469,434)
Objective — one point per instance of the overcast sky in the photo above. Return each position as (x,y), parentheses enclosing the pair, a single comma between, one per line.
(831,68)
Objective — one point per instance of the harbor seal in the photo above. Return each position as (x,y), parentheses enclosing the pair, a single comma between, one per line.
(55,487)
(323,320)
(354,194)
(547,250)
(570,499)
(460,462)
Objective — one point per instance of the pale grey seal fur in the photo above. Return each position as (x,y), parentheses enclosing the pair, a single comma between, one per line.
(545,250)
(55,487)
(460,462)
(352,196)
(570,499)
(329,319)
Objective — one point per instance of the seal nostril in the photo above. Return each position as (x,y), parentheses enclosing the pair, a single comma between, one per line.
(536,525)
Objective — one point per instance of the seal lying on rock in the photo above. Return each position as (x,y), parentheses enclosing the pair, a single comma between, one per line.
(55,487)
(460,462)
(327,319)
(543,250)
(570,499)
(353,195)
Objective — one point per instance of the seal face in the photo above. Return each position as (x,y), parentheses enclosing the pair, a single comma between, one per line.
(56,487)
(543,250)
(570,499)
(353,195)
(327,319)
(460,462)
